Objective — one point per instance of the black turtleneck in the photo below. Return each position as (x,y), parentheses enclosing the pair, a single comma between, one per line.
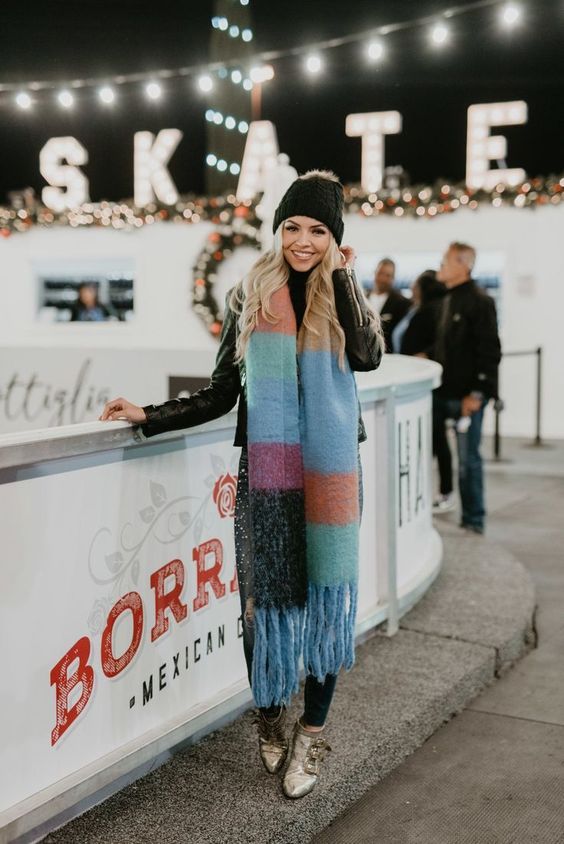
(297,284)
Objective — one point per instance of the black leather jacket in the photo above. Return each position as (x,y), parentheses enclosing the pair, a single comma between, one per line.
(228,380)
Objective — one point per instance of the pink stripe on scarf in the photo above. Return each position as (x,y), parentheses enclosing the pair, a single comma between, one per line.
(275,466)
(280,305)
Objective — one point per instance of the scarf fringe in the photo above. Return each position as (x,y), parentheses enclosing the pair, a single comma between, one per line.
(277,649)
(329,628)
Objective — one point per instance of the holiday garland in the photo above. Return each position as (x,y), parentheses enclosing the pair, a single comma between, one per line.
(418,200)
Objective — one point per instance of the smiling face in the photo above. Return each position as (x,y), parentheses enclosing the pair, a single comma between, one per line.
(304,242)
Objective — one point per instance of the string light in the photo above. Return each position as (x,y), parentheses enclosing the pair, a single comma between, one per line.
(229,122)
(262,73)
(375,51)
(222,165)
(107,95)
(205,83)
(23,100)
(313,64)
(153,90)
(510,14)
(65,99)
(439,34)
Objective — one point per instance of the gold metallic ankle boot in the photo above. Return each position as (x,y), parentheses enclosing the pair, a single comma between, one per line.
(302,772)
(273,744)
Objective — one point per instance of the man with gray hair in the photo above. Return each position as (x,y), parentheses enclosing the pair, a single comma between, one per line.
(468,348)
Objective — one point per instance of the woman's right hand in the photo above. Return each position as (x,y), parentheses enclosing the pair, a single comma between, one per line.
(122,409)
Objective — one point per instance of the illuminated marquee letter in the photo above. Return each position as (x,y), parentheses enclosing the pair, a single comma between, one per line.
(151,177)
(170,599)
(110,665)
(65,684)
(260,156)
(208,575)
(482,147)
(372,127)
(60,175)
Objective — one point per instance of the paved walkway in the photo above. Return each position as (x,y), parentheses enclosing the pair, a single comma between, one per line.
(495,773)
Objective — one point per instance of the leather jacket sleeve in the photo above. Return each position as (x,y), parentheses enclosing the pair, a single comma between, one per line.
(208,403)
(362,346)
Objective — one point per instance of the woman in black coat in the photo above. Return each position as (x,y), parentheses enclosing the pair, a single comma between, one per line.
(416,331)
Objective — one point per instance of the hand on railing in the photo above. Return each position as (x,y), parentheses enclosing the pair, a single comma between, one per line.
(122,409)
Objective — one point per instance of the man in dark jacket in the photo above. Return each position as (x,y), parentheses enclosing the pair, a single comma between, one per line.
(388,301)
(468,348)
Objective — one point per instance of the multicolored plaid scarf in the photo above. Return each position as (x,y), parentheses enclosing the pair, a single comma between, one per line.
(302,434)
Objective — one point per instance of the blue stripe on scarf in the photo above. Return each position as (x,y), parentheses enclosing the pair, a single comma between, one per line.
(277,421)
(332,446)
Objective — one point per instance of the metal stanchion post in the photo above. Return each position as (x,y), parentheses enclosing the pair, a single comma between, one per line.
(538,440)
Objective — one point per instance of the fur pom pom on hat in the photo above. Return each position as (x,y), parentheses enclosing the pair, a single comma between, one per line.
(317,194)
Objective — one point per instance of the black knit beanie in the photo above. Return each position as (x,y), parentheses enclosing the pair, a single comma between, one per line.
(316,197)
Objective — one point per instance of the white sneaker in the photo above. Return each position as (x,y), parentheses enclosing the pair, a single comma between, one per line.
(444,503)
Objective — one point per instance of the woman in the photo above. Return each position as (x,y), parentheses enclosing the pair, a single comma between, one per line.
(87,308)
(416,331)
(295,328)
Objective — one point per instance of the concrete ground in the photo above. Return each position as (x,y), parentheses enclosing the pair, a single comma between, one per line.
(495,773)
(436,738)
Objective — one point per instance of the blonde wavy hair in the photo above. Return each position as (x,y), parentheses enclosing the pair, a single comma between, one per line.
(270,272)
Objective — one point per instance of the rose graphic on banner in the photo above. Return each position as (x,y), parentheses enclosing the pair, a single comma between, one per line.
(224,493)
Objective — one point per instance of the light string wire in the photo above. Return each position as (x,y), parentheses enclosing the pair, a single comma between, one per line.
(256,58)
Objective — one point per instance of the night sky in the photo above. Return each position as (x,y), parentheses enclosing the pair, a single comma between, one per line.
(432,88)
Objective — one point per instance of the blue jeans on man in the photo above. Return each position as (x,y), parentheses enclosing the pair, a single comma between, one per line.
(470,467)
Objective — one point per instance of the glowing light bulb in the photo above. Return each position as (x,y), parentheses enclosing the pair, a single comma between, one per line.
(107,95)
(65,99)
(153,90)
(23,100)
(375,51)
(205,83)
(439,34)
(510,14)
(313,64)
